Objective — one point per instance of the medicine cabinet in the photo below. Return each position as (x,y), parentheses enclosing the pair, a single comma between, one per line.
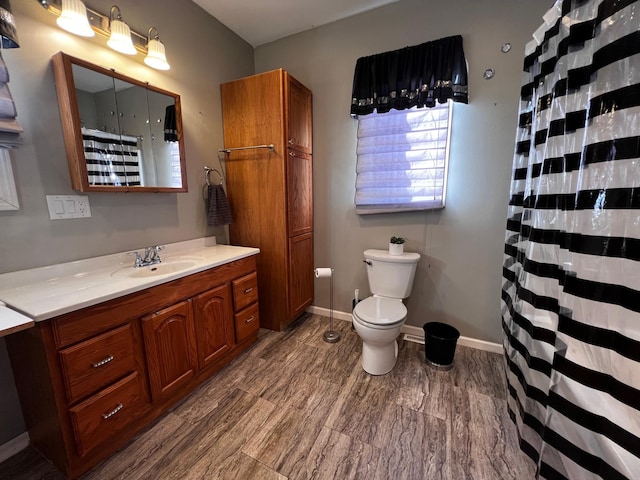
(120,134)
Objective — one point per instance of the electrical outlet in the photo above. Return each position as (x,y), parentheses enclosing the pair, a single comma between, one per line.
(68,206)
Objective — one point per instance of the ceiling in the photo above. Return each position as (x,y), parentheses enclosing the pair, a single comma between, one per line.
(259,21)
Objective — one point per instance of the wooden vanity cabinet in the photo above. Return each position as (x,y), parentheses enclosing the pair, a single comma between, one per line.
(213,314)
(89,380)
(170,342)
(271,192)
(245,303)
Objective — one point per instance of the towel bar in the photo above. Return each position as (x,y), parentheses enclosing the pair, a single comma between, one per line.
(252,147)
(208,170)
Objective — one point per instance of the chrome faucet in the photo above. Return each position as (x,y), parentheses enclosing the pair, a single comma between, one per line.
(151,256)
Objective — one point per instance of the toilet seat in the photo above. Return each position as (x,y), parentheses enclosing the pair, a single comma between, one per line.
(380,313)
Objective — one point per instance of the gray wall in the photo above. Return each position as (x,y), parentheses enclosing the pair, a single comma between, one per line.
(202,52)
(459,277)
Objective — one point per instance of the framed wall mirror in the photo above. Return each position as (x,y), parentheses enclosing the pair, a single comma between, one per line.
(120,134)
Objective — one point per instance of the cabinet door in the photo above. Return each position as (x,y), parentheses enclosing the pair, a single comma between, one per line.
(299,192)
(169,339)
(301,273)
(299,115)
(214,324)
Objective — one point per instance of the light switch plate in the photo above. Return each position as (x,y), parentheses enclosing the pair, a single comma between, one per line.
(68,206)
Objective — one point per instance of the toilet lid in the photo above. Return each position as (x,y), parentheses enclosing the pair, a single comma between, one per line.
(380,311)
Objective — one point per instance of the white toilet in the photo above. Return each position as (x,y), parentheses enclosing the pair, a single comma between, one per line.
(379,318)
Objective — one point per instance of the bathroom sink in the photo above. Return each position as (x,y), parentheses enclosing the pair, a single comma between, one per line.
(183,258)
(164,268)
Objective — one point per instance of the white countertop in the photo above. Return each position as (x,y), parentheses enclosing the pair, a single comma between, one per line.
(46,292)
(12,321)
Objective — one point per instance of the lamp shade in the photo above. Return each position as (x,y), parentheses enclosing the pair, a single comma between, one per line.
(120,39)
(74,18)
(156,57)
(7,26)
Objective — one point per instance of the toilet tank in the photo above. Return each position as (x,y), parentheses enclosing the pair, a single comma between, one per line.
(391,275)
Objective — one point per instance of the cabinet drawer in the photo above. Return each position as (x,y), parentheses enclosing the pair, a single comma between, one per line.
(247,322)
(102,416)
(95,363)
(245,291)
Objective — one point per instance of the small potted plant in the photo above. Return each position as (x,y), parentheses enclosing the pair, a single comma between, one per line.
(396,245)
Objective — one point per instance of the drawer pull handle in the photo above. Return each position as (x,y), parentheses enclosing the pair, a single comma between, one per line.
(106,416)
(103,362)
(248,290)
(250,319)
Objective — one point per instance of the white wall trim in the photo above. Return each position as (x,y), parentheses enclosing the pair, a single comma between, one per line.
(14,446)
(417,331)
(464,341)
(325,312)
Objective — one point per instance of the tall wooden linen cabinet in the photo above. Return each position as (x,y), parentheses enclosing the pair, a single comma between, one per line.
(270,191)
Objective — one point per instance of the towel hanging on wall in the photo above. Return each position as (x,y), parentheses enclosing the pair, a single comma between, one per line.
(170,124)
(10,129)
(218,211)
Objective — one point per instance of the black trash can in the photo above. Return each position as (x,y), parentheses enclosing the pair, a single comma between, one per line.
(440,344)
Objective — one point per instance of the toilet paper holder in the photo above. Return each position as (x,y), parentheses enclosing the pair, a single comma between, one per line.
(330,336)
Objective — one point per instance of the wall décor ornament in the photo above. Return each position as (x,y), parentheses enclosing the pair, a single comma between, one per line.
(7,26)
(10,129)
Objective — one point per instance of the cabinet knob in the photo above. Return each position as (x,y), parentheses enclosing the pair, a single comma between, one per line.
(250,319)
(292,154)
(102,362)
(106,416)
(291,141)
(248,290)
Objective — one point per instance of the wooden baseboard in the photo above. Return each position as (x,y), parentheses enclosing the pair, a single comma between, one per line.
(416,332)
(14,446)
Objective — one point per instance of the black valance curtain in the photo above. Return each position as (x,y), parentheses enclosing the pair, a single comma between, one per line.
(411,76)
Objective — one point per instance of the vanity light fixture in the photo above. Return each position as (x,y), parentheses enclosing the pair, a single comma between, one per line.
(73,18)
(156,57)
(120,39)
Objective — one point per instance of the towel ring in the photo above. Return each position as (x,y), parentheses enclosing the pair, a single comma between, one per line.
(208,171)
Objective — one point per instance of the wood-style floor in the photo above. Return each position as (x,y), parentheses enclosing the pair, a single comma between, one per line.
(295,407)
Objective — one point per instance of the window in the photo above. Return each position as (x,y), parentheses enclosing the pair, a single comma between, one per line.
(402,159)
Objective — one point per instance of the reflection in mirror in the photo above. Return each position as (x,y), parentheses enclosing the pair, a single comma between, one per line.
(163,139)
(131,123)
(114,129)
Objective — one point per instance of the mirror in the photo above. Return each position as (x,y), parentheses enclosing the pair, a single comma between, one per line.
(120,134)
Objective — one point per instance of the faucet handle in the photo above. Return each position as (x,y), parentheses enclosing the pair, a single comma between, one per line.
(138,261)
(156,252)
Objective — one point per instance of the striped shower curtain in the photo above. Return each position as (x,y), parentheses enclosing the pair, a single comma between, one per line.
(112,159)
(571,290)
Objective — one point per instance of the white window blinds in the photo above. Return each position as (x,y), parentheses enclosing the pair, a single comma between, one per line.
(402,160)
